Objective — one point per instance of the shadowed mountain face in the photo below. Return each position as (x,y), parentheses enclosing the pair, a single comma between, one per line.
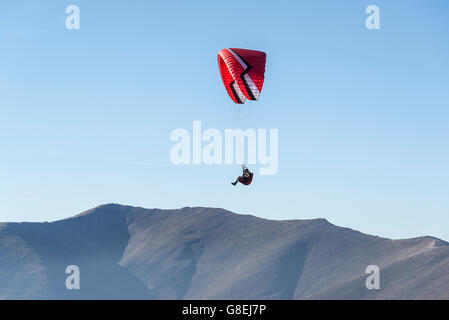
(203,253)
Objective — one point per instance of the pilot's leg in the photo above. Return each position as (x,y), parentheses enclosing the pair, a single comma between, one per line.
(236,181)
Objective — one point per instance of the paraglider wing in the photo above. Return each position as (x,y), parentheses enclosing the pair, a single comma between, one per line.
(242,72)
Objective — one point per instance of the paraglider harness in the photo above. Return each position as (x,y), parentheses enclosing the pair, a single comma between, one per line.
(246,178)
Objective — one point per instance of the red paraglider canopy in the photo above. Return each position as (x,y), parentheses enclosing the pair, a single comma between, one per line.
(242,72)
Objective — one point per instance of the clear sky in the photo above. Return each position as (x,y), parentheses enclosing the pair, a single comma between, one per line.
(363,115)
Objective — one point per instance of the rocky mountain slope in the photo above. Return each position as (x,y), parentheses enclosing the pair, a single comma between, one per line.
(206,253)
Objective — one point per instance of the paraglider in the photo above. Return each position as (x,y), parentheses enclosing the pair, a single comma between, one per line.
(242,72)
(246,178)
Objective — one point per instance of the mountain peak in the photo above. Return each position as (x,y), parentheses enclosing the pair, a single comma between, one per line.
(108,207)
(212,253)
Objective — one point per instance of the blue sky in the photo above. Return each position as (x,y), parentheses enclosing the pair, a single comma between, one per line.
(363,116)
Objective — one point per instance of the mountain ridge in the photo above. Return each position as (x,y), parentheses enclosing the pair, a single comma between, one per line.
(212,253)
